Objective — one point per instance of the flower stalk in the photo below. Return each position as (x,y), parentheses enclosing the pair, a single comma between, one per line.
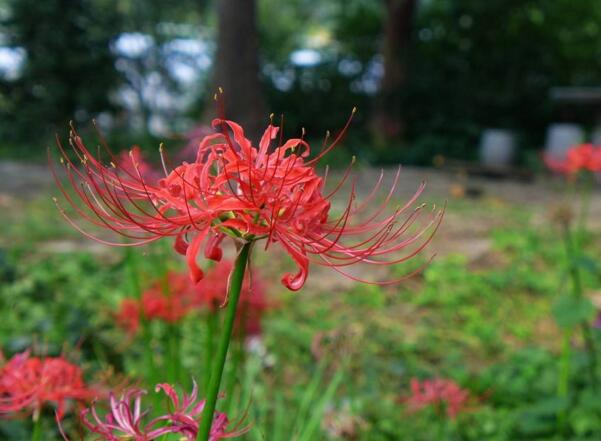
(36,434)
(132,265)
(573,253)
(209,346)
(224,342)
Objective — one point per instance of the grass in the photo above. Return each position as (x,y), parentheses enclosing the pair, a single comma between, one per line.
(332,364)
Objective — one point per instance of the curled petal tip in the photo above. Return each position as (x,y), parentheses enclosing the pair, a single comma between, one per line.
(215,254)
(294,282)
(180,245)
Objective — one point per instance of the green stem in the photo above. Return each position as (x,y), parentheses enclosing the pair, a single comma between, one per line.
(564,373)
(149,363)
(232,372)
(209,347)
(591,349)
(571,255)
(136,287)
(174,363)
(585,203)
(224,342)
(36,434)
(573,252)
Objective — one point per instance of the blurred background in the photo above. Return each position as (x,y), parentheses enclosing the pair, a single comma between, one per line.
(430,77)
(468,94)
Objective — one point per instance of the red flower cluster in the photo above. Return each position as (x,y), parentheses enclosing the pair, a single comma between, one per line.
(169,299)
(442,393)
(29,383)
(585,157)
(125,418)
(234,189)
(175,296)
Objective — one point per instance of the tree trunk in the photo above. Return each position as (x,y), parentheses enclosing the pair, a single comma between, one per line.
(387,121)
(237,65)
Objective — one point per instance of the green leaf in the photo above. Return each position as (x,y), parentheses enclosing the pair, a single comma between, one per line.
(588,264)
(570,311)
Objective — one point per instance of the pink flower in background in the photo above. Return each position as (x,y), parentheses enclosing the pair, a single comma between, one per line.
(29,383)
(126,419)
(236,190)
(584,157)
(441,393)
(133,162)
(193,139)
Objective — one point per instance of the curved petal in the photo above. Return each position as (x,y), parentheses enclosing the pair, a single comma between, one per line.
(180,245)
(294,282)
(195,272)
(213,249)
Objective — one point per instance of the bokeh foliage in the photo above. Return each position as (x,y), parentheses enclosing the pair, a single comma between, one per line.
(471,65)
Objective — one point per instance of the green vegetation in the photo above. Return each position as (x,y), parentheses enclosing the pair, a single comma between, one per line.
(333,365)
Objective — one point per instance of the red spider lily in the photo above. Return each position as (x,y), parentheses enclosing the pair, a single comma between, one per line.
(125,418)
(175,296)
(584,157)
(441,393)
(128,316)
(193,138)
(169,299)
(247,193)
(133,161)
(29,383)
(212,293)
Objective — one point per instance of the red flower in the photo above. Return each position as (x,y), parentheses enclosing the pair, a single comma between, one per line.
(444,394)
(169,299)
(133,162)
(247,193)
(29,383)
(128,316)
(193,137)
(212,293)
(175,296)
(584,157)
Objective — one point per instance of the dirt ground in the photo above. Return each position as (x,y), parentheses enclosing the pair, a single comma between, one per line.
(466,227)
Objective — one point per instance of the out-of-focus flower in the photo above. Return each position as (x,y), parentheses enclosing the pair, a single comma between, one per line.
(169,299)
(234,189)
(212,293)
(584,157)
(343,423)
(128,316)
(444,394)
(193,138)
(27,384)
(125,418)
(133,162)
